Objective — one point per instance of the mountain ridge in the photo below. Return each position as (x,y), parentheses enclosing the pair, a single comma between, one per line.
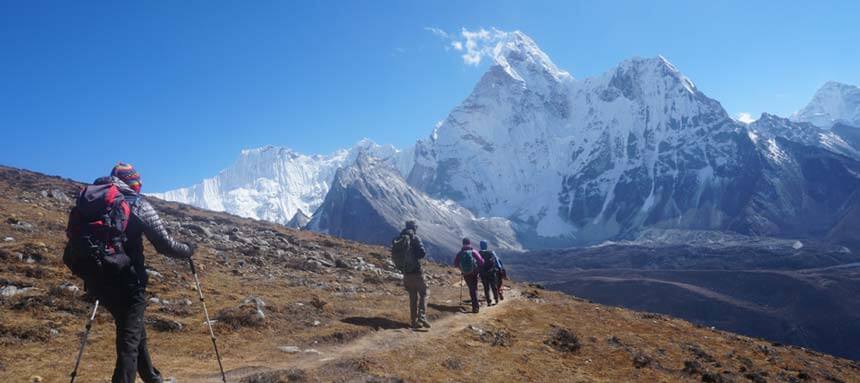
(574,162)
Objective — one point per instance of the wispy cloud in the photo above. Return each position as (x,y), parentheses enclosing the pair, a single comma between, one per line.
(745,118)
(437,32)
(475,44)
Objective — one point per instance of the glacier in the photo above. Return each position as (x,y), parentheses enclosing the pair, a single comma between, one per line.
(274,183)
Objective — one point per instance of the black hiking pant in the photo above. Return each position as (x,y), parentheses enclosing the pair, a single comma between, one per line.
(132,356)
(472,283)
(490,280)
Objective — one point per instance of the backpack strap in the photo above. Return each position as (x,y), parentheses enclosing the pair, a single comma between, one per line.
(131,199)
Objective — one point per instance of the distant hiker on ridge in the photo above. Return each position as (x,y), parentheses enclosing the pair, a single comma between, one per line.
(470,264)
(490,274)
(119,281)
(406,253)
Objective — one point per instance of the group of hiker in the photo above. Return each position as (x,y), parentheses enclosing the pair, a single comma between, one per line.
(105,248)
(485,265)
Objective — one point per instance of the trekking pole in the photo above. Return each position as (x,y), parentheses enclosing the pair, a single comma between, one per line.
(461,293)
(208,322)
(84,341)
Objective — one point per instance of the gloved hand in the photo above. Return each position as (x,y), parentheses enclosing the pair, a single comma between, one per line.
(192,248)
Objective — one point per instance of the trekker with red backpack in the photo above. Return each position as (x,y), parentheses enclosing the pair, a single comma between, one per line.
(470,264)
(105,248)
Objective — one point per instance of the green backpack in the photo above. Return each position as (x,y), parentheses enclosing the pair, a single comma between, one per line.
(467,262)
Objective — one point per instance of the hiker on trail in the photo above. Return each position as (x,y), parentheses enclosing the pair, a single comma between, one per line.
(124,291)
(503,274)
(407,252)
(470,264)
(490,277)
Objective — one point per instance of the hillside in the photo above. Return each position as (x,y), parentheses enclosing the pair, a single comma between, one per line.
(333,310)
(796,292)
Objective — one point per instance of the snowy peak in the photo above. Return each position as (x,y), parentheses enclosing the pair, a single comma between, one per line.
(641,77)
(833,102)
(276,183)
(520,57)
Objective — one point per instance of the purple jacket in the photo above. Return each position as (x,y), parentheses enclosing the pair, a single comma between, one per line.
(478,258)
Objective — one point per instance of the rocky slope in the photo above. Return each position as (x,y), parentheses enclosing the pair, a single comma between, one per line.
(299,220)
(369,201)
(771,127)
(801,190)
(298,306)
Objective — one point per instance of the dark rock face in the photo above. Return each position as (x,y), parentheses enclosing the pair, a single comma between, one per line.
(370,202)
(299,220)
(849,133)
(801,191)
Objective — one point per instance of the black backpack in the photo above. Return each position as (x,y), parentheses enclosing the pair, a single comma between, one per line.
(96,233)
(402,255)
(490,261)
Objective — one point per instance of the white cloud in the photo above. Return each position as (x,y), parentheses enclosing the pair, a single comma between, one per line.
(437,32)
(745,118)
(475,45)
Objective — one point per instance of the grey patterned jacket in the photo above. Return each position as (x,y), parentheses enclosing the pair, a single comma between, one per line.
(144,221)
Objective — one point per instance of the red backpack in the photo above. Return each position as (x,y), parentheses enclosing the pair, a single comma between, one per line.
(96,232)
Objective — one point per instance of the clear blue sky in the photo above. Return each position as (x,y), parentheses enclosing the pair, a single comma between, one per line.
(178,88)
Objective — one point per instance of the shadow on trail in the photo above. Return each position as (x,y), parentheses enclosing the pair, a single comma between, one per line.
(376,323)
(447,308)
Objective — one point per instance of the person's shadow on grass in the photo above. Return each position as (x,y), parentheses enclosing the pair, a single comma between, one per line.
(376,323)
(447,308)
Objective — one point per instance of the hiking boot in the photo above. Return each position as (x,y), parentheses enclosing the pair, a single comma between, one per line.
(424,323)
(474,310)
(415,326)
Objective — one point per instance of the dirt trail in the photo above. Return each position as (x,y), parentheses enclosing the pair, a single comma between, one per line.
(381,341)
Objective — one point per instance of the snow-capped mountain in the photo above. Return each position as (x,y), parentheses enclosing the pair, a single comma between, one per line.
(834,102)
(580,161)
(274,183)
(569,162)
(369,201)
(586,160)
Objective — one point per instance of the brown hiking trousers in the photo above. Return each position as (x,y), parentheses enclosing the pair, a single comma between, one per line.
(417,289)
